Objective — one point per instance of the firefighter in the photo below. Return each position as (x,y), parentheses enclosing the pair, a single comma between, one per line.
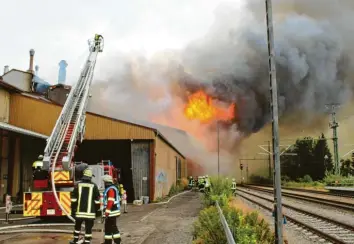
(200,182)
(191,182)
(124,201)
(121,189)
(233,186)
(111,208)
(38,164)
(38,172)
(207,183)
(97,41)
(85,200)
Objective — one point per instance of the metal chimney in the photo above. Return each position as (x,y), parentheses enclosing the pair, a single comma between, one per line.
(37,69)
(31,61)
(62,72)
(6,69)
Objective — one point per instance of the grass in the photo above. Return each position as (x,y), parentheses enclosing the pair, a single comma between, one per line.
(316,185)
(337,180)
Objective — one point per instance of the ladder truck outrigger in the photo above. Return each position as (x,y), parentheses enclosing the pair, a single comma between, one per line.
(51,195)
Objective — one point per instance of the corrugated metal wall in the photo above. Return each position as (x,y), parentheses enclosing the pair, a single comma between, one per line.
(141,168)
(4,106)
(103,128)
(166,167)
(39,116)
(32,114)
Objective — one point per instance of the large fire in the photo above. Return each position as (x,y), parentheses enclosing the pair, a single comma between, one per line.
(201,107)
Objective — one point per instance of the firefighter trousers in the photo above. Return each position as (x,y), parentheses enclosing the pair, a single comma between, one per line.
(111,231)
(88,229)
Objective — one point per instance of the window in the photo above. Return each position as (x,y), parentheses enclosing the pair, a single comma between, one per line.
(178,169)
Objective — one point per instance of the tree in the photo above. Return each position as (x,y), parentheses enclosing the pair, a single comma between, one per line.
(347,167)
(312,158)
(322,159)
(296,167)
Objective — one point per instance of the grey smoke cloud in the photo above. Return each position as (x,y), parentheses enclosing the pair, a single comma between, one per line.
(313,58)
(313,41)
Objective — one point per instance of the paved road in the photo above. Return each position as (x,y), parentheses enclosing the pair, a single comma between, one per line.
(147,224)
(173,223)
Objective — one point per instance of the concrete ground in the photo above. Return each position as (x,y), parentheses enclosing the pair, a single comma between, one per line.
(147,224)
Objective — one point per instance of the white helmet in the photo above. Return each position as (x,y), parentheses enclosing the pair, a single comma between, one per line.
(233,179)
(107,178)
(40,157)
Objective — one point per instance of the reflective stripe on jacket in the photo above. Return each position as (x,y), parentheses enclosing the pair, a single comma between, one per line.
(84,199)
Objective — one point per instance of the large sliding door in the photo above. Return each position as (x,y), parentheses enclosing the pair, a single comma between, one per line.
(141,168)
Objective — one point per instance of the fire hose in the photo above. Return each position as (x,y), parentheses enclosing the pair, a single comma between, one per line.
(55,190)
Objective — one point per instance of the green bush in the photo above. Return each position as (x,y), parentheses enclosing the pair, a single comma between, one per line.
(306,179)
(220,191)
(337,180)
(246,229)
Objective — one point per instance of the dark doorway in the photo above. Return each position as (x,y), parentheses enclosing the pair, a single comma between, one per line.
(117,151)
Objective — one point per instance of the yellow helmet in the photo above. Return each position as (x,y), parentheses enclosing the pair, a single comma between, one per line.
(87,173)
(121,185)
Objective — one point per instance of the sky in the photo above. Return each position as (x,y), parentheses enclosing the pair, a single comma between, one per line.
(60,29)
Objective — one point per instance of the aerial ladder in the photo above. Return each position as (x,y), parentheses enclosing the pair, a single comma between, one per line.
(54,197)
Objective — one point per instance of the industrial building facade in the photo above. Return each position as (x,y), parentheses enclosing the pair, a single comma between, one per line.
(149,163)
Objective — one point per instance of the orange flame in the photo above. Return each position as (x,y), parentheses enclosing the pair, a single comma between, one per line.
(201,107)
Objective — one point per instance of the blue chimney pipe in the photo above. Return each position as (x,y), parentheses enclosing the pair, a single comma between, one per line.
(62,72)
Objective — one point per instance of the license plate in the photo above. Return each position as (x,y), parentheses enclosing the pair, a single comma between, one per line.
(50,211)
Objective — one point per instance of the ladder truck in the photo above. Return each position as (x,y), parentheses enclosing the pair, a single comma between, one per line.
(51,195)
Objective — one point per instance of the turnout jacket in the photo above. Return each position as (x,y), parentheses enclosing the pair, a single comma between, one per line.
(111,201)
(84,199)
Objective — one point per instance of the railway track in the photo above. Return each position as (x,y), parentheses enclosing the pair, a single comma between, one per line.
(326,228)
(332,203)
(326,193)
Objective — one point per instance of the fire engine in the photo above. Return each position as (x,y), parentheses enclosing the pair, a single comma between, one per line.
(59,174)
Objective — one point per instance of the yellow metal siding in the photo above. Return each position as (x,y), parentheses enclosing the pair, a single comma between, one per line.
(4,105)
(103,128)
(32,114)
(39,116)
(166,165)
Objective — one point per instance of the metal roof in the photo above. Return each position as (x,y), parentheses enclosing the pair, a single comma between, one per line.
(168,134)
(19,130)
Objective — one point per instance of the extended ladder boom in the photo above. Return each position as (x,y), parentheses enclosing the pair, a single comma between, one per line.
(70,126)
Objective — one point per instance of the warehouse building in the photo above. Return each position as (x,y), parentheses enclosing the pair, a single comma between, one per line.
(149,162)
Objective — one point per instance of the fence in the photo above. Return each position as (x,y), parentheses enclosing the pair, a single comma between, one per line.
(229,236)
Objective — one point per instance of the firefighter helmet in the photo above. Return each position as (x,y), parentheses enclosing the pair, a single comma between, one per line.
(87,174)
(40,157)
(107,179)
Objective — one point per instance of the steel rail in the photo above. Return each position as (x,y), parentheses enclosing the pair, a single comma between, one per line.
(318,200)
(301,223)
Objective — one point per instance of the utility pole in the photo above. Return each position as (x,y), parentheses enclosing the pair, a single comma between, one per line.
(275,127)
(269,163)
(333,124)
(217,125)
